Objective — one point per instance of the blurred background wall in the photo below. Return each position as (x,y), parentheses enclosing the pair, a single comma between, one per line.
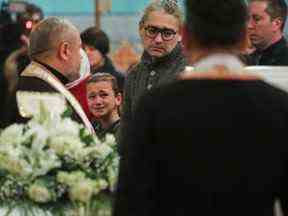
(119,18)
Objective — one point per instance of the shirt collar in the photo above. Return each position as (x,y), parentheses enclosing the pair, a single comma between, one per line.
(56,73)
(231,62)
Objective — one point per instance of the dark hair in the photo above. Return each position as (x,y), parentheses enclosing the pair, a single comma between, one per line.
(276,9)
(97,39)
(98,77)
(32,9)
(216,23)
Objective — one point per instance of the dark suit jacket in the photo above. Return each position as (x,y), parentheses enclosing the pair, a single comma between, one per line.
(276,54)
(206,147)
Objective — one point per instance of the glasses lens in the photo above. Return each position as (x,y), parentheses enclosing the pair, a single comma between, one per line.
(151,31)
(168,34)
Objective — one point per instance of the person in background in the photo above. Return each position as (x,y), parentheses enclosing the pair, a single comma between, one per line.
(27,20)
(104,99)
(213,142)
(125,57)
(97,46)
(265,26)
(162,59)
(18,58)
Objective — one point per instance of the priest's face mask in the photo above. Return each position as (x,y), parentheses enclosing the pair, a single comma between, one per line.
(84,65)
(75,58)
(84,70)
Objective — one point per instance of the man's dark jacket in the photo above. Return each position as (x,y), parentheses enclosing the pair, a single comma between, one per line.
(276,54)
(206,147)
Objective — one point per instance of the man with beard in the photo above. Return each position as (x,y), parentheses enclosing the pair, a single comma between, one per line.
(54,49)
(162,60)
(265,27)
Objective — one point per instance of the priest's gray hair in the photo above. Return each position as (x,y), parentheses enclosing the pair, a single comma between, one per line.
(47,34)
(169,6)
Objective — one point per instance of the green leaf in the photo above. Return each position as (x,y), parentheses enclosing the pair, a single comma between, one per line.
(67,113)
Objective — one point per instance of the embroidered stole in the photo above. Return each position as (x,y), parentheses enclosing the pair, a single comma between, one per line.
(37,70)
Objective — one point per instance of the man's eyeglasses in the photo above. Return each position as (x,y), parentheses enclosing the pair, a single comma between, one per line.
(166,34)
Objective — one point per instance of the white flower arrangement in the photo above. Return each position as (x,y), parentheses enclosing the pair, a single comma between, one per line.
(51,160)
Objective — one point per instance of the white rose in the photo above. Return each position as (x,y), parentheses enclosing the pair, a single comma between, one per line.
(70,178)
(39,193)
(12,135)
(110,140)
(103,150)
(71,146)
(67,127)
(81,191)
(101,184)
(16,167)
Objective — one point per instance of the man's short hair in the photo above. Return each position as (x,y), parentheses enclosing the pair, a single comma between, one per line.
(276,9)
(46,34)
(220,23)
(97,39)
(98,77)
(169,6)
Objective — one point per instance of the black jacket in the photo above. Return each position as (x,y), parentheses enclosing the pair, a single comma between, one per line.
(149,74)
(276,54)
(206,147)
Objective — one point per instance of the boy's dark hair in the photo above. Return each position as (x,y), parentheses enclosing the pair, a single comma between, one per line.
(98,77)
(217,23)
(97,39)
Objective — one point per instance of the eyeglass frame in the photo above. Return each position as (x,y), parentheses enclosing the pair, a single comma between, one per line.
(161,31)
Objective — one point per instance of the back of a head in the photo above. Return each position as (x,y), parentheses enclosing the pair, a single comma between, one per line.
(47,34)
(96,38)
(216,24)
